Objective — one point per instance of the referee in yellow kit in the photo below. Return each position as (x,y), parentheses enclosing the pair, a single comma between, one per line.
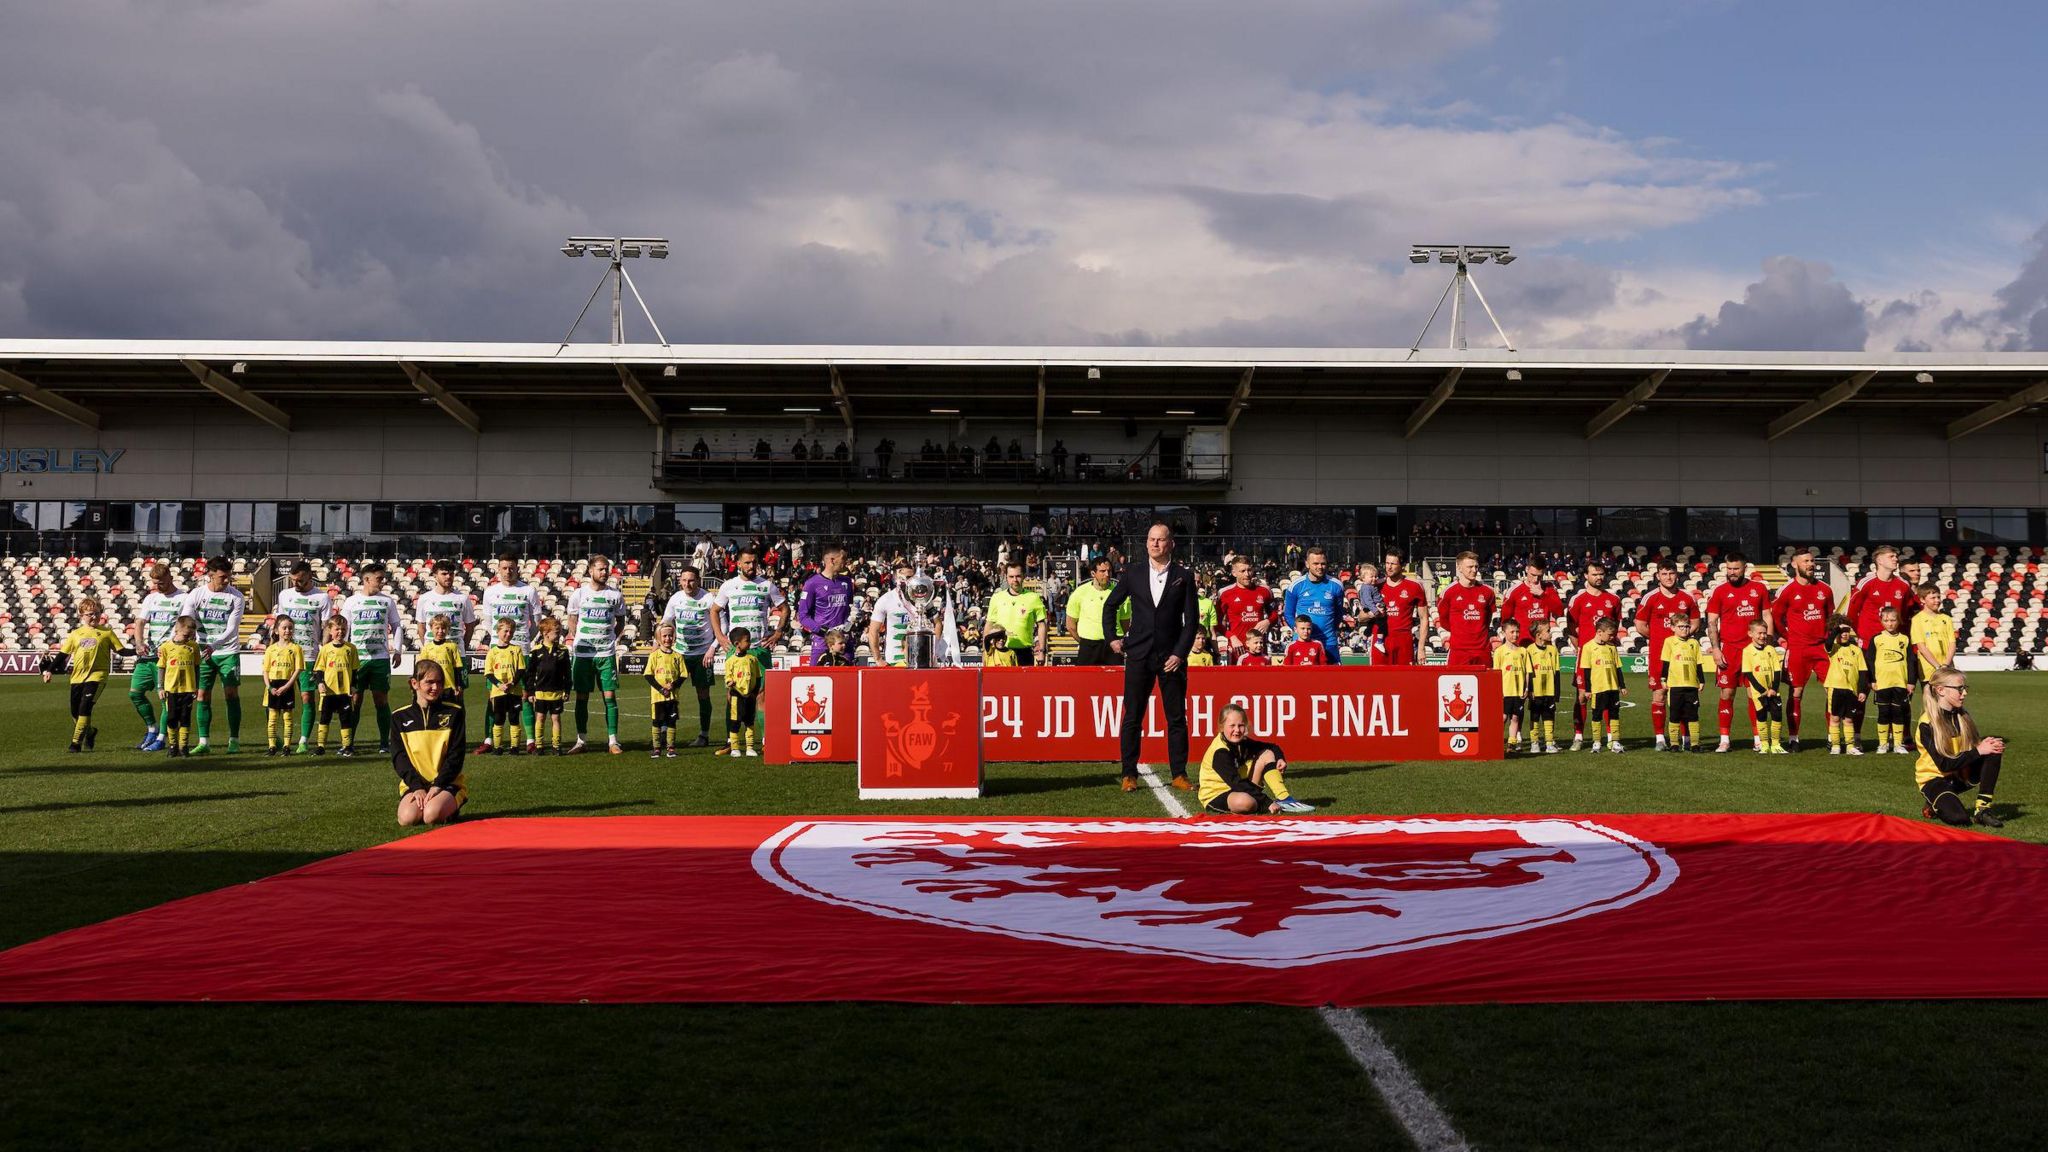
(1020,613)
(1084,618)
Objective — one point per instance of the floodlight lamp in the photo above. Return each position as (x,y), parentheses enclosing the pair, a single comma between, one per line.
(1476,258)
(572,249)
(1095,373)
(1923,378)
(629,250)
(658,251)
(1515,374)
(1447,257)
(668,370)
(1418,257)
(238,367)
(1504,258)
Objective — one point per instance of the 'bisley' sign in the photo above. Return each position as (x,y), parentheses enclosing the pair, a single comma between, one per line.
(59,459)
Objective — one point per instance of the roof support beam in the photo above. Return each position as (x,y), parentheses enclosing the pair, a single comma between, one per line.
(637,391)
(1038,440)
(1242,399)
(1441,393)
(1613,413)
(239,396)
(449,402)
(49,401)
(841,401)
(1991,414)
(1823,403)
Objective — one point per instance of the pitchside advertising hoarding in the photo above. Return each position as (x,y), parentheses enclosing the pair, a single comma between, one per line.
(1076,714)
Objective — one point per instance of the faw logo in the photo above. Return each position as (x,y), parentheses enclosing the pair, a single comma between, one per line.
(1267,895)
(1457,703)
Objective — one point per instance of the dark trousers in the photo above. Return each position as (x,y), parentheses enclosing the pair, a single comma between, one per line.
(1139,678)
(1095,652)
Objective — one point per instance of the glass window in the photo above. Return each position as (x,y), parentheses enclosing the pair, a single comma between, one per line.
(1635,525)
(1714,524)
(1814,525)
(1895,524)
(241,519)
(359,519)
(1986,524)
(263,520)
(699,517)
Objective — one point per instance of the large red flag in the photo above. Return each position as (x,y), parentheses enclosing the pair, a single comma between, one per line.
(1345,910)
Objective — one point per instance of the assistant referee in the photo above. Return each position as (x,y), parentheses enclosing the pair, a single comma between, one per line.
(1084,618)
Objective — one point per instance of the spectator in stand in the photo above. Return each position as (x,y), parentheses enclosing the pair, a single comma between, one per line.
(701,450)
(1084,617)
(1059,458)
(1016,451)
(885,449)
(798,452)
(841,453)
(762,451)
(1465,611)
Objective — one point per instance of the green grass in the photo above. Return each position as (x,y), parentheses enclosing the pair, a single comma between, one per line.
(86,837)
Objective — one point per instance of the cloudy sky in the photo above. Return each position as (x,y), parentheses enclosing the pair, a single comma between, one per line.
(1712,173)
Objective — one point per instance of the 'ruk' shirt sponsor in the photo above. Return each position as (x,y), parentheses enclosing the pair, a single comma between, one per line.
(372,620)
(691,614)
(308,612)
(219,617)
(159,611)
(519,603)
(595,615)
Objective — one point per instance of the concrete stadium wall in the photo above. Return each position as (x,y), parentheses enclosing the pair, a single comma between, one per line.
(1681,457)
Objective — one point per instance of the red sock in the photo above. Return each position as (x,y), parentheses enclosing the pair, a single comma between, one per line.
(1752,716)
(1657,717)
(1727,715)
(1792,715)
(1578,714)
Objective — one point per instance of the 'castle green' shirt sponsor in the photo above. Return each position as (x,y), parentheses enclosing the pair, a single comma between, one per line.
(594,618)
(219,616)
(372,620)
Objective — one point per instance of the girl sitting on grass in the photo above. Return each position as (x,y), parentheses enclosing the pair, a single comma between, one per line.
(1954,756)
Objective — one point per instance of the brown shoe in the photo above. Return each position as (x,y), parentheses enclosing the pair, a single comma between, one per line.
(1182,783)
(1130,783)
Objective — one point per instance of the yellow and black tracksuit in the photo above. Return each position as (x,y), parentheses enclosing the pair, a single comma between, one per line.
(1891,676)
(1513,663)
(743,683)
(1848,677)
(1764,670)
(178,666)
(548,669)
(1543,690)
(665,673)
(1604,680)
(90,650)
(282,664)
(1681,674)
(505,670)
(1227,768)
(334,672)
(428,748)
(454,665)
(1947,771)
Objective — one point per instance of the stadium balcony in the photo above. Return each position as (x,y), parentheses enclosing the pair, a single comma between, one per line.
(1083,476)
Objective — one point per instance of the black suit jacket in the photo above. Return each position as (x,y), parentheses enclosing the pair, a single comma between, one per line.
(1156,632)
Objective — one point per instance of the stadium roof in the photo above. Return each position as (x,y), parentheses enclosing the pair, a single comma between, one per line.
(89,380)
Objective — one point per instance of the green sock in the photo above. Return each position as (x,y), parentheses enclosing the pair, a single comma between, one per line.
(611,716)
(305,720)
(582,716)
(141,703)
(384,722)
(526,719)
(234,717)
(205,720)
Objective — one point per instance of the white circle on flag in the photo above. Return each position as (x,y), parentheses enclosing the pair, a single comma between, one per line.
(812,746)
(1461,743)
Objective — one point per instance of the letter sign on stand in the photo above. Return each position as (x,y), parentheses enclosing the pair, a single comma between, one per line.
(920,733)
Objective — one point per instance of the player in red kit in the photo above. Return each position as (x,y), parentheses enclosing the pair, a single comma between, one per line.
(1404,601)
(1883,588)
(1653,622)
(1735,603)
(1801,611)
(1532,601)
(1589,605)
(1306,648)
(1465,611)
(1245,611)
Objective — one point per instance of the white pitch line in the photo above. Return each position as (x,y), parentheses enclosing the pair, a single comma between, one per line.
(1411,1106)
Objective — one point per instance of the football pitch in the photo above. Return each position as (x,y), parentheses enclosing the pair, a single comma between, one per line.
(87,837)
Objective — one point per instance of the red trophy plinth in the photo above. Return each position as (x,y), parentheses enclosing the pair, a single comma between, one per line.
(920,733)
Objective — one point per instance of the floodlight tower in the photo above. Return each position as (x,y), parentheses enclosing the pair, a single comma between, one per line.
(1461,255)
(617,250)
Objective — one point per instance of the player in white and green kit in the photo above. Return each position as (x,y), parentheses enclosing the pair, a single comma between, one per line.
(159,610)
(510,598)
(694,612)
(217,607)
(445,599)
(890,621)
(597,614)
(375,628)
(307,606)
(750,599)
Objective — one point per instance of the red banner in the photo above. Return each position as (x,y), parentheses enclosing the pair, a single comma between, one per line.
(918,736)
(1343,910)
(1340,713)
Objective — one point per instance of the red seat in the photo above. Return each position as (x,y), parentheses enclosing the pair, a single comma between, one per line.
(632,567)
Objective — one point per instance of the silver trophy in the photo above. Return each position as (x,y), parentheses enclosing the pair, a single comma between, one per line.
(920,636)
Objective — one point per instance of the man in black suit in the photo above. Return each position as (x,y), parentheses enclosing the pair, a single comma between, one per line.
(1164,616)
